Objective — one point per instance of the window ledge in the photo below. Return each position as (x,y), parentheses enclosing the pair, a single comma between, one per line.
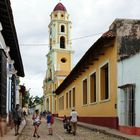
(103,101)
(94,103)
(85,105)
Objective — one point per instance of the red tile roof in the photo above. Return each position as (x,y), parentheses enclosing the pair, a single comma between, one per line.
(109,34)
(59,7)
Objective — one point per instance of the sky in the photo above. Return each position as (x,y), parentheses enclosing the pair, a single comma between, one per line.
(90,18)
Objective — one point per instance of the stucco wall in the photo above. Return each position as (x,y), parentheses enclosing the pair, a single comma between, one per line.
(129,72)
(100,108)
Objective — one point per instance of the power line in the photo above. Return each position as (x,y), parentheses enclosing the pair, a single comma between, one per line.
(46,44)
(41,44)
(86,36)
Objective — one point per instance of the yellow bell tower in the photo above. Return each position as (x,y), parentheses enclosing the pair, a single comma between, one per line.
(59,57)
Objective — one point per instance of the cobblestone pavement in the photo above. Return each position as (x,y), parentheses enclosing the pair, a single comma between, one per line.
(60,134)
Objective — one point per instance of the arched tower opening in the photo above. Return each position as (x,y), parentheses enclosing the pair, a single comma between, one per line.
(62,42)
(62,28)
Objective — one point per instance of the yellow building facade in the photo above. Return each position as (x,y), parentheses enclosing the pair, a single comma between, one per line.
(59,57)
(91,87)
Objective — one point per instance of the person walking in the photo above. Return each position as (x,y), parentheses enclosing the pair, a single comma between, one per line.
(50,121)
(17,118)
(36,122)
(74,119)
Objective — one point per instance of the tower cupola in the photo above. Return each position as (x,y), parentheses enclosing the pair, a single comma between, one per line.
(59,7)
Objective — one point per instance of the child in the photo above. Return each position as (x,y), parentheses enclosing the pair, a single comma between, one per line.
(50,121)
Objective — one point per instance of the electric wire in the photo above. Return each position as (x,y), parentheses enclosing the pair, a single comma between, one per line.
(46,44)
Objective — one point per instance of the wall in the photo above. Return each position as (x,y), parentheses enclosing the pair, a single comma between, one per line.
(101,111)
(128,72)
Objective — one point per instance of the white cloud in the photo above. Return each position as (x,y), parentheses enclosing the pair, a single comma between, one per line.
(88,17)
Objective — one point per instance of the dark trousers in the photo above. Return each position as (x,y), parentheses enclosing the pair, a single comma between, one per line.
(74,127)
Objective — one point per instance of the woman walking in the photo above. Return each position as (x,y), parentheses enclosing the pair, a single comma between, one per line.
(36,122)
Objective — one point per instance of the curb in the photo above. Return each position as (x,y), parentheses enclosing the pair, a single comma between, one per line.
(104,132)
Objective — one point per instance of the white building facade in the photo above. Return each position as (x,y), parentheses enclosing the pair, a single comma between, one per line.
(11,67)
(129,78)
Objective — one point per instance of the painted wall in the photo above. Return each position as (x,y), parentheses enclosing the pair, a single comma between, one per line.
(128,72)
(100,108)
(64,66)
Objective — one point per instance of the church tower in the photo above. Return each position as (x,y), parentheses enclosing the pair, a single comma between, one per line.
(59,57)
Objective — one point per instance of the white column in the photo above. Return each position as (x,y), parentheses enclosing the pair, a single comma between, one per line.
(45,102)
(49,104)
(52,103)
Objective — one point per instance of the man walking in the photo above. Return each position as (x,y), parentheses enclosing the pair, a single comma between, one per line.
(17,118)
(74,119)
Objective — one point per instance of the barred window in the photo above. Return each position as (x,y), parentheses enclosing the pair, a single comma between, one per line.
(93,88)
(104,82)
(85,92)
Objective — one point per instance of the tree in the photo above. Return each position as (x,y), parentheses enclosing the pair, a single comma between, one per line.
(36,100)
(25,98)
(31,102)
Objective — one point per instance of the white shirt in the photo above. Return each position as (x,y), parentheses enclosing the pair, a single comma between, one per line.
(37,119)
(73,115)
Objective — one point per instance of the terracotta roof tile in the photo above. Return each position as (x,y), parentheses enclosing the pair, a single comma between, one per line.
(109,34)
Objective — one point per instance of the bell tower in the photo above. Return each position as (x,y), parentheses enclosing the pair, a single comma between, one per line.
(59,57)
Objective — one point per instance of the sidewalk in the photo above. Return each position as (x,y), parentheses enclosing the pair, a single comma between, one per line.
(10,134)
(107,131)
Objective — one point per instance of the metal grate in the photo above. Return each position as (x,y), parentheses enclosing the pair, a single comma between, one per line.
(130,105)
(3,83)
(13,94)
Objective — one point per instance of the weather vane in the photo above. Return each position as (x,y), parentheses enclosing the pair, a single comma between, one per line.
(59,0)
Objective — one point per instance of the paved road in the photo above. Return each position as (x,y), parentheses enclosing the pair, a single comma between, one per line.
(60,134)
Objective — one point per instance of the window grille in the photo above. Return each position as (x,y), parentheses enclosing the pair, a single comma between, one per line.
(129,104)
(85,92)
(3,83)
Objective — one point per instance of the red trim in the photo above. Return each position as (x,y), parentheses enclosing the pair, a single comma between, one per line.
(111,122)
(130,130)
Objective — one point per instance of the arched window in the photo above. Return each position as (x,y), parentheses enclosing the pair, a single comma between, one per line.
(62,28)
(50,74)
(62,42)
(50,43)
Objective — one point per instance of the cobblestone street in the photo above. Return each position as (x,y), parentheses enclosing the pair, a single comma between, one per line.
(60,134)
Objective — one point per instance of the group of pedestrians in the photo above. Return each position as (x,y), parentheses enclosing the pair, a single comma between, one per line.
(70,123)
(37,121)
